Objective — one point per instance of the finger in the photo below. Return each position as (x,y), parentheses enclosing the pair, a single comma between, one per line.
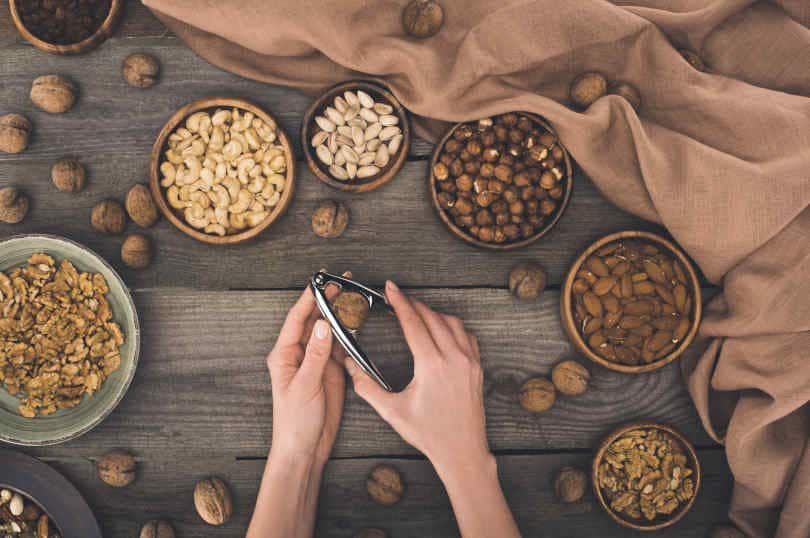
(416,333)
(461,336)
(293,330)
(439,329)
(331,291)
(476,355)
(317,354)
(377,397)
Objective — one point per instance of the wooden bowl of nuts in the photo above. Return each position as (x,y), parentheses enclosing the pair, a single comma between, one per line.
(60,27)
(646,475)
(222,171)
(501,183)
(631,302)
(356,136)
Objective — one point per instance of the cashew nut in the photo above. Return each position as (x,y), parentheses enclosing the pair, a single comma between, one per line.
(220,117)
(242,169)
(277,180)
(218,229)
(173,197)
(198,222)
(256,185)
(194,169)
(254,218)
(243,200)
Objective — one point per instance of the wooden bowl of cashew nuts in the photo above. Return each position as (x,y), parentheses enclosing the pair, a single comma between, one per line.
(222,171)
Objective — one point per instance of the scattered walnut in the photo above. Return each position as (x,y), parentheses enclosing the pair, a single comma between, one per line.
(116,468)
(157,528)
(141,207)
(140,70)
(371,533)
(694,59)
(527,280)
(628,91)
(726,531)
(351,308)
(53,93)
(330,219)
(422,18)
(68,175)
(13,205)
(136,251)
(213,501)
(108,217)
(537,395)
(570,484)
(15,131)
(385,485)
(587,88)
(570,378)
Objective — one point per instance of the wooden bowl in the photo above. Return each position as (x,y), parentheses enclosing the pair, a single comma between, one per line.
(379,92)
(99,36)
(566,304)
(568,183)
(642,525)
(176,218)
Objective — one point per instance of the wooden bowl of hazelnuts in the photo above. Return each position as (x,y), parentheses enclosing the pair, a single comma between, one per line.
(501,183)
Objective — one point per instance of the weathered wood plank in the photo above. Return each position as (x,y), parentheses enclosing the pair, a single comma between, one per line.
(164,486)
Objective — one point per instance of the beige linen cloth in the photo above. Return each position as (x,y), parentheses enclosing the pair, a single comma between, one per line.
(722,159)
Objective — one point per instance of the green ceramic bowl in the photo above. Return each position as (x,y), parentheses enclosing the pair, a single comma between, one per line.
(68,424)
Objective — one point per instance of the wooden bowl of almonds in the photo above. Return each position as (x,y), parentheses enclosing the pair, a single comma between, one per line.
(222,171)
(646,475)
(356,136)
(631,302)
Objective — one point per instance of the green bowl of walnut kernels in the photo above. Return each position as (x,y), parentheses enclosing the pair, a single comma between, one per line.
(66,423)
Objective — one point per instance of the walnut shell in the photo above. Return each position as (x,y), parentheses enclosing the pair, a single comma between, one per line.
(570,378)
(53,93)
(628,91)
(15,130)
(385,485)
(13,205)
(587,88)
(330,219)
(570,484)
(141,207)
(537,395)
(213,501)
(108,217)
(140,70)
(422,18)
(157,528)
(351,308)
(371,533)
(68,175)
(527,280)
(116,468)
(136,251)
(726,531)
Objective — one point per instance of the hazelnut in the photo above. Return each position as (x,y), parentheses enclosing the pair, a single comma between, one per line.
(351,308)
(570,484)
(116,468)
(15,131)
(537,395)
(587,88)
(140,70)
(213,501)
(108,217)
(53,93)
(136,251)
(68,175)
(140,206)
(693,59)
(371,533)
(13,205)
(385,485)
(157,529)
(422,18)
(726,531)
(570,378)
(626,90)
(527,280)
(330,219)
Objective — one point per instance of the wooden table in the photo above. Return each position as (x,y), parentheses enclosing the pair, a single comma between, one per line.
(200,403)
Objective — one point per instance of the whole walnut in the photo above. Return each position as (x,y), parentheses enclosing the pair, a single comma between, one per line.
(53,93)
(422,18)
(108,217)
(351,308)
(136,251)
(726,531)
(628,91)
(116,468)
(537,395)
(587,88)
(141,207)
(371,533)
(140,70)
(157,528)
(330,219)
(13,205)
(213,501)
(68,175)
(385,485)
(15,130)
(527,280)
(570,378)
(570,484)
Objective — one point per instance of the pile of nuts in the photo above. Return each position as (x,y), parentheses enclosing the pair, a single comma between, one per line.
(224,171)
(632,302)
(63,22)
(646,473)
(356,137)
(21,516)
(58,340)
(500,179)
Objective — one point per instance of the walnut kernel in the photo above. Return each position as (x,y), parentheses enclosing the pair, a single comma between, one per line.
(108,217)
(68,175)
(537,395)
(13,205)
(527,280)
(213,501)
(587,88)
(385,485)
(570,378)
(330,219)
(15,130)
(116,468)
(136,251)
(140,206)
(570,484)
(53,93)
(140,70)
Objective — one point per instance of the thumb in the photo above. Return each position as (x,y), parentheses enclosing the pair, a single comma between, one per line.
(380,399)
(319,349)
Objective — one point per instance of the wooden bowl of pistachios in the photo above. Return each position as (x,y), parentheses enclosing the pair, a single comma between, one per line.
(356,136)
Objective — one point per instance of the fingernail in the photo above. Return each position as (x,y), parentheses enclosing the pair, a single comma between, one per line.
(321,329)
(391,286)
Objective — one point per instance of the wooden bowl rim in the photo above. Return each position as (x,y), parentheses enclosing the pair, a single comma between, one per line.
(458,232)
(393,167)
(618,432)
(155,160)
(104,31)
(567,315)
